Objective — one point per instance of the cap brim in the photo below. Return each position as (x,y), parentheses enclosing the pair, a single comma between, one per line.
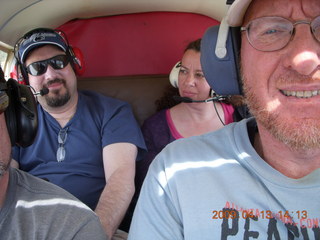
(236,12)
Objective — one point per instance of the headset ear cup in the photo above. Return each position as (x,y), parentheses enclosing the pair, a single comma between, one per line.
(10,115)
(222,74)
(21,114)
(23,78)
(78,60)
(174,74)
(212,93)
(14,73)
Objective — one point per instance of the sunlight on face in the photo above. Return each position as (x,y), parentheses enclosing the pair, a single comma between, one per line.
(268,77)
(273,105)
(304,56)
(305,62)
(296,132)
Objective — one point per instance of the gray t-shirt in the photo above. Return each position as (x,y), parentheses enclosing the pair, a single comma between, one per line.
(216,186)
(36,209)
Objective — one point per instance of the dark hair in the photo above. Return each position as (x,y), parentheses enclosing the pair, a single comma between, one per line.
(194,45)
(167,100)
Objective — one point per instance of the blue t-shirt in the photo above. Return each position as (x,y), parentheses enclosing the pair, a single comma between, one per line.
(98,122)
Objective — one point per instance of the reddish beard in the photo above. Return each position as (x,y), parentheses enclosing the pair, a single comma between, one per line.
(297,133)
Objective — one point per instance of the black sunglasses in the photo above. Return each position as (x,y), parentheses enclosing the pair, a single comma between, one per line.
(39,68)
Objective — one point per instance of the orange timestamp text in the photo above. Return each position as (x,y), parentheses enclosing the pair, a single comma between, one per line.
(265,214)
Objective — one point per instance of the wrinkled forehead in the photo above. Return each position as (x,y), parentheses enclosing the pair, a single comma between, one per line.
(291,9)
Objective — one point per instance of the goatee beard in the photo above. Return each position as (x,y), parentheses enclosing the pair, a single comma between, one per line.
(57,100)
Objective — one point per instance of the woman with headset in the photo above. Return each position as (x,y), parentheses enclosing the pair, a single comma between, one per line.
(188,108)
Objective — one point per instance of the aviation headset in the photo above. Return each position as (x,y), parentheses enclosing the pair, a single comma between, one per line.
(220,47)
(20,111)
(45,36)
(220,51)
(174,74)
(220,54)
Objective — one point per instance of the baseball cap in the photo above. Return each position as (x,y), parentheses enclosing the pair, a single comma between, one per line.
(37,38)
(236,12)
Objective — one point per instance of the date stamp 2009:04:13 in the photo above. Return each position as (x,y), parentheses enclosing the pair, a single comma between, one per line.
(265,214)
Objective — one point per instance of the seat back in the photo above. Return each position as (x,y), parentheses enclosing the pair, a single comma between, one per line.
(140,92)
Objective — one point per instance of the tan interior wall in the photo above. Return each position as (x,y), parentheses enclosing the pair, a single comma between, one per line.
(140,91)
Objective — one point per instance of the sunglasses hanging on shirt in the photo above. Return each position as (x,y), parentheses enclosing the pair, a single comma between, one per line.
(62,137)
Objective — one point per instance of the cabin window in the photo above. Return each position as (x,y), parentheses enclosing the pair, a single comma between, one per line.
(3,58)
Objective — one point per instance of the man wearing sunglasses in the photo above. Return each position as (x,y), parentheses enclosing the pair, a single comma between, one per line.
(87,143)
(35,209)
(258,178)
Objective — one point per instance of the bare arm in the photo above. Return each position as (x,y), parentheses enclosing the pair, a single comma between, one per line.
(119,167)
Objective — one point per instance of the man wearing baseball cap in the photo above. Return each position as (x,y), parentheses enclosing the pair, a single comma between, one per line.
(30,207)
(87,143)
(258,178)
